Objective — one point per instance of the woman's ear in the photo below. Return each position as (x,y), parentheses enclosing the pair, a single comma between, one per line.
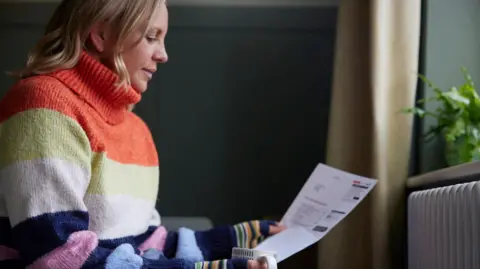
(98,38)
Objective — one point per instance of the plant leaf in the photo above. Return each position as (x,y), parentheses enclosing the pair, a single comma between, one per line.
(455,97)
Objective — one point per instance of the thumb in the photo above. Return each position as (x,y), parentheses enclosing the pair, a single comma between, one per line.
(254,264)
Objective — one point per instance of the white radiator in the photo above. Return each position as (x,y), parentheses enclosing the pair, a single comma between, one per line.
(444,227)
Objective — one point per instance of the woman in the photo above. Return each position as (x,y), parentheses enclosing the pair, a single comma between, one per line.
(78,170)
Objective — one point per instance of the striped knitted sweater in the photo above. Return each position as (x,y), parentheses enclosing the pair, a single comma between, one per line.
(79,179)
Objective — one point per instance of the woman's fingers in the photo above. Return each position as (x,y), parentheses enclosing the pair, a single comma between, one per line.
(275,229)
(254,264)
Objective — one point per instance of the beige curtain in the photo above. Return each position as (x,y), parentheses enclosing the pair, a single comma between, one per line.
(375,75)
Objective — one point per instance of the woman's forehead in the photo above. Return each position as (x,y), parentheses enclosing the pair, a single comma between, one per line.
(159,19)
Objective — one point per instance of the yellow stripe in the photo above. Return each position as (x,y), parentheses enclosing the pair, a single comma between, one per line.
(43,133)
(117,178)
(258,233)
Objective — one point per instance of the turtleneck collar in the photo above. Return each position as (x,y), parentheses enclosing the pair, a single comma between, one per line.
(96,84)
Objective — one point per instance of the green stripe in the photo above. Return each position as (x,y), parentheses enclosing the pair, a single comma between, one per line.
(245,236)
(43,133)
(113,178)
(253,236)
(236,235)
(240,235)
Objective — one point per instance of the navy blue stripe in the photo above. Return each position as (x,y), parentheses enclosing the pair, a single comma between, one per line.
(171,243)
(135,241)
(37,236)
(164,263)
(113,244)
(99,255)
(12,264)
(216,243)
(5,233)
(265,226)
(254,233)
(97,259)
(237,263)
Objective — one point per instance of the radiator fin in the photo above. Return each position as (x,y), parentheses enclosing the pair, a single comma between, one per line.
(443,227)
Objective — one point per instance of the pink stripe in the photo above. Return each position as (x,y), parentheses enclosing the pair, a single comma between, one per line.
(156,240)
(72,255)
(8,253)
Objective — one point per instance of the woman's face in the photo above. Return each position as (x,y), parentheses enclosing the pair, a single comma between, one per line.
(141,59)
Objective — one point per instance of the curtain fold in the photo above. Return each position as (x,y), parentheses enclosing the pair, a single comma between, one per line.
(375,76)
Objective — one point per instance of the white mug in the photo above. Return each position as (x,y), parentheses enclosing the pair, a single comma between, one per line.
(268,257)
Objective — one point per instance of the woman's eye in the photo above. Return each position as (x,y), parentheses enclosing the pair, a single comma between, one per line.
(150,39)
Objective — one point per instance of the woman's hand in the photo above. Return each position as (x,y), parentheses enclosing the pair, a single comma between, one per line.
(276,228)
(250,233)
(273,229)
(254,264)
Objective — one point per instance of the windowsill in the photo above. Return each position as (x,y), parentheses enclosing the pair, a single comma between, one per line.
(447,176)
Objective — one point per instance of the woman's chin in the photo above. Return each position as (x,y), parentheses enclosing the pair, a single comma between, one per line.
(140,87)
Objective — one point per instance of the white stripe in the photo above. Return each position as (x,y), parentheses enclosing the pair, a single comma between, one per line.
(35,187)
(156,219)
(115,216)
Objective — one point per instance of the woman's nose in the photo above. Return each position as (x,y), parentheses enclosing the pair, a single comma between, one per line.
(161,55)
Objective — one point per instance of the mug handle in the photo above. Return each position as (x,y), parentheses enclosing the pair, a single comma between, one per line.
(269,260)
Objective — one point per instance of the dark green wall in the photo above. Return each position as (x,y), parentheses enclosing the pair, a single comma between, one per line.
(452,40)
(240,112)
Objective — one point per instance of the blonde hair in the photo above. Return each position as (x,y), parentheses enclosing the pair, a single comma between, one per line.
(67,33)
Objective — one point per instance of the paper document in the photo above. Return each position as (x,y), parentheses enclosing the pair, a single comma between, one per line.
(326,198)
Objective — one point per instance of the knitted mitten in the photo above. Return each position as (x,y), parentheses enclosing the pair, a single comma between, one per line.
(154,259)
(216,243)
(250,233)
(226,264)
(124,256)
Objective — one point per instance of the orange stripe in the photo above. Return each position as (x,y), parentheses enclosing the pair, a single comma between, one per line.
(258,233)
(248,233)
(47,92)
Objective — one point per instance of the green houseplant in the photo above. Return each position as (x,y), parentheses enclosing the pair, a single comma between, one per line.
(457,119)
